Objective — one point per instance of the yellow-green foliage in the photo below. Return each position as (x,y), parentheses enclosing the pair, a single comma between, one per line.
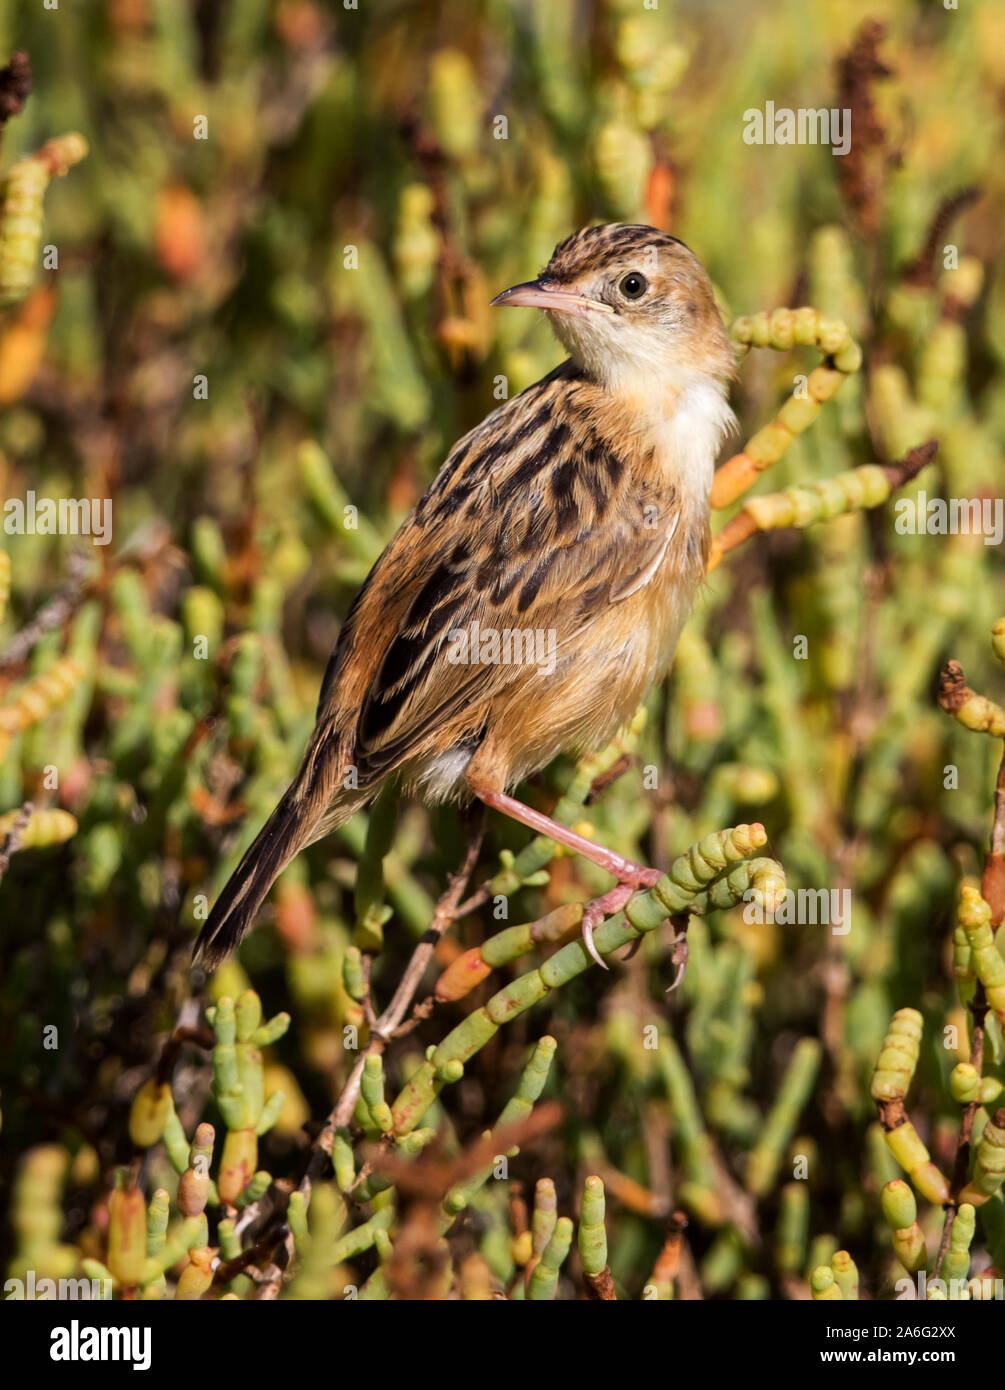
(266,321)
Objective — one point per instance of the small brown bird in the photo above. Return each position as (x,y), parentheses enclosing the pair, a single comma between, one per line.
(538,589)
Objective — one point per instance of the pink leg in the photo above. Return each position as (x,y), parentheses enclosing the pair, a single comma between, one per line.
(630,876)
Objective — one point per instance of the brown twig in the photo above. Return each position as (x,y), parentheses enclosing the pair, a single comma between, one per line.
(668,1261)
(200,1036)
(902,470)
(993,876)
(230,1269)
(953,690)
(454,270)
(393,1016)
(860,171)
(51,615)
(921,271)
(419,1013)
(601,1286)
(603,780)
(953,695)
(961,1165)
(272,1205)
(978,1011)
(432,1175)
(384,1029)
(366,966)
(386,1026)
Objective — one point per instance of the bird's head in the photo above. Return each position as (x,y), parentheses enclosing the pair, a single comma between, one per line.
(631,304)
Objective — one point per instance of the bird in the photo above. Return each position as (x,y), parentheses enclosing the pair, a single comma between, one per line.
(538,589)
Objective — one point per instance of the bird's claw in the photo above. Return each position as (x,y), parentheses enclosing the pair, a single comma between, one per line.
(678,957)
(595,912)
(591,947)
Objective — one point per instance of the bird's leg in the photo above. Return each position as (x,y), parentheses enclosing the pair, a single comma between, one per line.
(626,871)
(630,876)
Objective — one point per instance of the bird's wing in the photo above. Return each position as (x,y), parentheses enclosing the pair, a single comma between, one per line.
(537,524)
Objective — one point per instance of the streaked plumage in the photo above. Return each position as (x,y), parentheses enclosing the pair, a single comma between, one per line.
(577,509)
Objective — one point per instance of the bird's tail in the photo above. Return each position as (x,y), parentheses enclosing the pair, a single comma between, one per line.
(314,804)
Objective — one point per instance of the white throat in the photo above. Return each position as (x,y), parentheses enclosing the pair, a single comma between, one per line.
(688,427)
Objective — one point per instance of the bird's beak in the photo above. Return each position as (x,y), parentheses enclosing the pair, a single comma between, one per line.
(546,294)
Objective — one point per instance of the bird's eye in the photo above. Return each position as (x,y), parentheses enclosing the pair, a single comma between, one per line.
(633,285)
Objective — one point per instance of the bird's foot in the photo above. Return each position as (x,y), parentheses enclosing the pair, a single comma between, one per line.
(632,878)
(678,958)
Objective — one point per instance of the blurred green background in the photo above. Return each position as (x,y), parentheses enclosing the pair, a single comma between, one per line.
(251,332)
